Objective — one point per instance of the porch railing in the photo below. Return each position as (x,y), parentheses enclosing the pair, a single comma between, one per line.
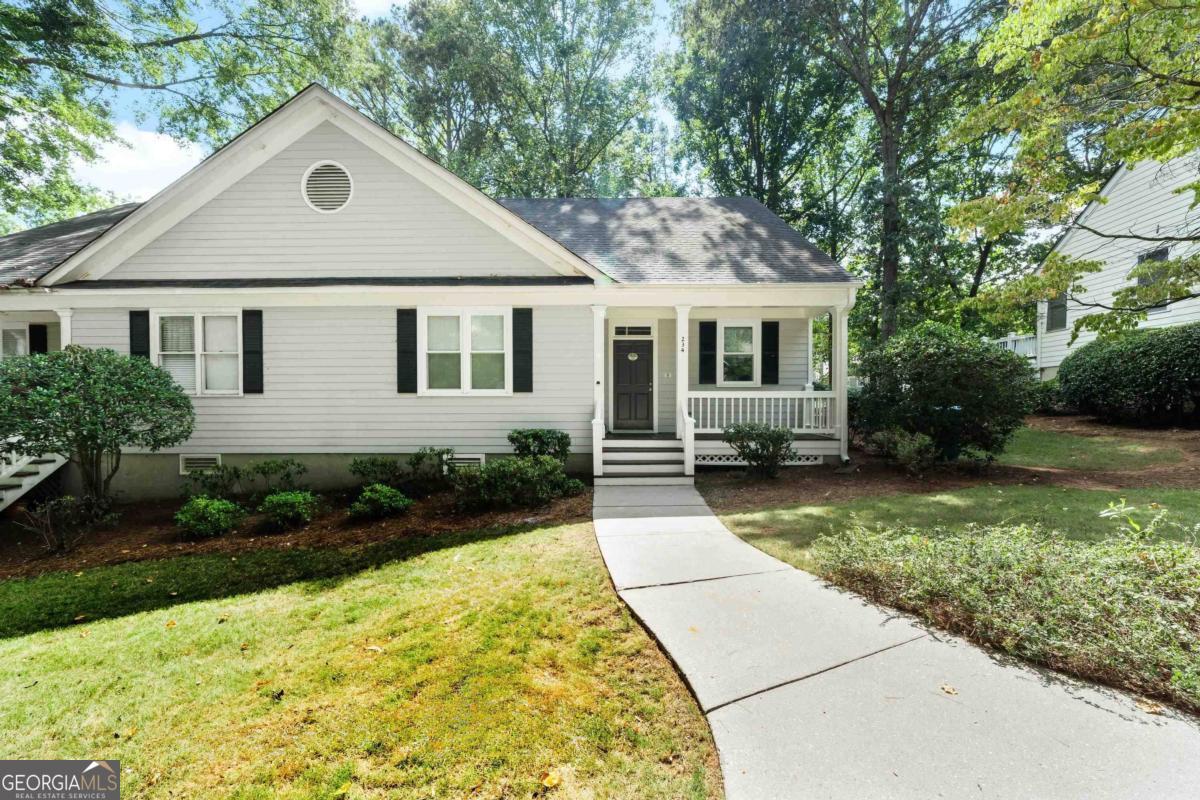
(1025,345)
(800,411)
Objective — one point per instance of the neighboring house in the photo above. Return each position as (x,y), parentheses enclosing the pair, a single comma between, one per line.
(323,290)
(1138,201)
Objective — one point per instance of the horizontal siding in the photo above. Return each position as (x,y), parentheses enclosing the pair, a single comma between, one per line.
(330,387)
(393,226)
(793,356)
(1141,201)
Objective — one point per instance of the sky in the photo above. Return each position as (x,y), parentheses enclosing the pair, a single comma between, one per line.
(149,161)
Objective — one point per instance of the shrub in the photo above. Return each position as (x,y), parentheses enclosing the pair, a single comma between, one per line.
(541,442)
(371,470)
(379,500)
(278,474)
(205,517)
(854,409)
(223,481)
(87,405)
(913,451)
(764,449)
(430,470)
(1149,377)
(955,388)
(286,510)
(63,522)
(518,482)
(1047,398)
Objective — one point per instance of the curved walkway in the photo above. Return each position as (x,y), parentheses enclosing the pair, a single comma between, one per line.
(812,692)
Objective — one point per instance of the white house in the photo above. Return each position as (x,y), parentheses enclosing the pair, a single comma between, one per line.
(1139,201)
(323,290)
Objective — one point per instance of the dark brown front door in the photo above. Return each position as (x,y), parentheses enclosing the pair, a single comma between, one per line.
(633,384)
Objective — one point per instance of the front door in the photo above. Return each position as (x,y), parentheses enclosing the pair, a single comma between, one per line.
(633,384)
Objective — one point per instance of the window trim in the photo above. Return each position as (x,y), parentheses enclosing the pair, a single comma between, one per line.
(755,326)
(1142,258)
(1066,320)
(197,316)
(464,314)
(16,326)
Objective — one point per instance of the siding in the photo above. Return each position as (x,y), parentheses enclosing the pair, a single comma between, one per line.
(793,357)
(1141,201)
(393,226)
(330,387)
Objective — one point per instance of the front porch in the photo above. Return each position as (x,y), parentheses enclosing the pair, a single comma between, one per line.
(669,381)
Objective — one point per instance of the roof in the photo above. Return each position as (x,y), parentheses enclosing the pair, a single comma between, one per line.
(682,240)
(28,255)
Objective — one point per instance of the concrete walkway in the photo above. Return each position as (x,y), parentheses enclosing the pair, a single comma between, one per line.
(812,692)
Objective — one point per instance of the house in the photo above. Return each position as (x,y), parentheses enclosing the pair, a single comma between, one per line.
(323,291)
(1146,200)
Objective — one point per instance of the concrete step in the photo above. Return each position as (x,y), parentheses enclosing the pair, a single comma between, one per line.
(645,480)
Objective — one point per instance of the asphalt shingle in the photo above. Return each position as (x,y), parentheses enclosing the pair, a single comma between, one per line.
(29,255)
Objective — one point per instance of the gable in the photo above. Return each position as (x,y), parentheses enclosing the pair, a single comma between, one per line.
(393,226)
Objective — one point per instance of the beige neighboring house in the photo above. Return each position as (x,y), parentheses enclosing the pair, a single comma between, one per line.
(323,290)
(1139,201)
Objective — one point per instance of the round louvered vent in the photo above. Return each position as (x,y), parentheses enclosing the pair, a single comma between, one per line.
(327,187)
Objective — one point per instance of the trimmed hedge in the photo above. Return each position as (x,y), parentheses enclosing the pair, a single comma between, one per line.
(515,482)
(287,510)
(205,517)
(764,448)
(378,501)
(1147,377)
(540,442)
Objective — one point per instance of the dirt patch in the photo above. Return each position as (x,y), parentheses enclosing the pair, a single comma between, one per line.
(147,531)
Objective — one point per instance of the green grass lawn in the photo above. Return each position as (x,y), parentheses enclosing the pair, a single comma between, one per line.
(1033,447)
(458,666)
(787,533)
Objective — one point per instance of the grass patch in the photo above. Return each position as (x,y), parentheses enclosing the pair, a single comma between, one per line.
(788,533)
(457,666)
(1124,611)
(1032,447)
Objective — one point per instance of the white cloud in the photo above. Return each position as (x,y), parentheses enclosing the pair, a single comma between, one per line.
(376,8)
(138,170)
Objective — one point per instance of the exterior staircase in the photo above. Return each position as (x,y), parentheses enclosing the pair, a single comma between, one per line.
(20,474)
(636,460)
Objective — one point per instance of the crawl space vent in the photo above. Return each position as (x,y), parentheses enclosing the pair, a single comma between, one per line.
(190,464)
(459,460)
(327,187)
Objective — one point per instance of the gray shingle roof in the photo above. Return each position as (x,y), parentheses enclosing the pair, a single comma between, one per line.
(682,239)
(28,255)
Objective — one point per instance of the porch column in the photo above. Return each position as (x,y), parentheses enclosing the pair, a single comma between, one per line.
(841,365)
(599,334)
(682,314)
(64,326)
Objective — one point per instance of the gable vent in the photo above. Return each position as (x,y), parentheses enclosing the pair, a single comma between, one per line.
(327,187)
(195,463)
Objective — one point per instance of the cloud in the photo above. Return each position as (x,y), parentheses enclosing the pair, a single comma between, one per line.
(376,8)
(149,163)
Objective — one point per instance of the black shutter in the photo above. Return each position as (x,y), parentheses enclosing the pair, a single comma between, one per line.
(770,352)
(522,328)
(406,350)
(139,333)
(252,352)
(708,352)
(39,341)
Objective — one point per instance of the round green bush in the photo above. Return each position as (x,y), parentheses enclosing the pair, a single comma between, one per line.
(960,391)
(205,517)
(513,483)
(1148,377)
(286,510)
(378,501)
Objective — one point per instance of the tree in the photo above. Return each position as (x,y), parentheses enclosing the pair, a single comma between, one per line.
(87,405)
(203,70)
(1105,82)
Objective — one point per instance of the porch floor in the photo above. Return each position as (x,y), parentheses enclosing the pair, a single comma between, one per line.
(709,437)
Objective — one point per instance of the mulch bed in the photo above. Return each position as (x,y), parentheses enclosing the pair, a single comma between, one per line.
(146,531)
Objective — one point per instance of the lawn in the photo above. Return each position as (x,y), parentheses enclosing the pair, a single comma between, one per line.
(453,666)
(1036,447)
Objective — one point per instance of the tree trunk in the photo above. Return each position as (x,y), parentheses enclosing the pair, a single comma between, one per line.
(889,240)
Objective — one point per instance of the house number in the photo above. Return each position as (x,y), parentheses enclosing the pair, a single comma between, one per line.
(683,344)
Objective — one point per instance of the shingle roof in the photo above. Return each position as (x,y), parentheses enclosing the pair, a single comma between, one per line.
(642,240)
(682,240)
(28,255)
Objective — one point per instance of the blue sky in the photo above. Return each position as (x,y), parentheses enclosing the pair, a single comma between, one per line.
(149,161)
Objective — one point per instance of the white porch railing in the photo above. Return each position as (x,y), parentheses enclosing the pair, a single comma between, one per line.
(1024,345)
(800,411)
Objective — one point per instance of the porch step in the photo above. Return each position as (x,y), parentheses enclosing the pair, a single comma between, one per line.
(642,468)
(646,443)
(643,449)
(19,476)
(645,480)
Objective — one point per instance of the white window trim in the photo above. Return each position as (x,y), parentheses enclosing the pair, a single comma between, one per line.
(756,326)
(198,339)
(464,314)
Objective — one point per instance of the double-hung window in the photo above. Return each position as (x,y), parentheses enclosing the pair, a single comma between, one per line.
(201,351)
(1056,313)
(14,341)
(464,351)
(739,351)
(1152,275)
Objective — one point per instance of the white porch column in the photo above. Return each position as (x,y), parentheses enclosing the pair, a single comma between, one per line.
(64,326)
(682,315)
(599,335)
(839,368)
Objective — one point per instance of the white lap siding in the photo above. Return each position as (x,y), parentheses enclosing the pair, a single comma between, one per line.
(330,387)
(793,357)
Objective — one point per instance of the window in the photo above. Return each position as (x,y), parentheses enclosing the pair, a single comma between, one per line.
(465,351)
(1153,277)
(14,342)
(738,350)
(1056,313)
(202,352)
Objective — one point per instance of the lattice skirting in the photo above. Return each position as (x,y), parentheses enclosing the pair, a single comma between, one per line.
(730,459)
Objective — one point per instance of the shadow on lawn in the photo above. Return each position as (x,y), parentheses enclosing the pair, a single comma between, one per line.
(59,599)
